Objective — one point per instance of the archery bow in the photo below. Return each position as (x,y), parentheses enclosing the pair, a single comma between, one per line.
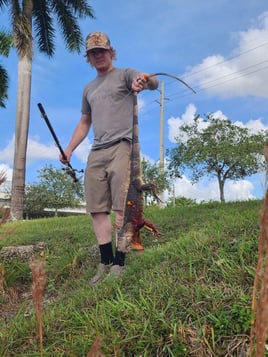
(69,169)
(147,76)
(171,76)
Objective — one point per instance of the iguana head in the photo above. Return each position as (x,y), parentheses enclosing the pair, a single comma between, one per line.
(124,237)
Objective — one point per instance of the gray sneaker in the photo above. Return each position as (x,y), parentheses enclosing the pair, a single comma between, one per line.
(116,271)
(101,272)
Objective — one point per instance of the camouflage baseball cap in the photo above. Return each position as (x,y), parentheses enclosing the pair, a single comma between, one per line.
(97,40)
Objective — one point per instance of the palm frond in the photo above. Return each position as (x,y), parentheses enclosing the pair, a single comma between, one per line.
(69,26)
(43,27)
(3,86)
(81,8)
(3,2)
(22,31)
(23,36)
(3,177)
(5,43)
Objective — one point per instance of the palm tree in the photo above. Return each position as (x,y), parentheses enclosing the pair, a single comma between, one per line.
(33,20)
(5,45)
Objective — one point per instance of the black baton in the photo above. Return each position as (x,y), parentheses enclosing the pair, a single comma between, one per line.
(69,170)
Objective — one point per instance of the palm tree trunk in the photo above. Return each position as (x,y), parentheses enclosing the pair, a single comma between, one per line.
(21,135)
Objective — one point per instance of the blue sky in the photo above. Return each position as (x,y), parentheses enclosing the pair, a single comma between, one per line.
(220,49)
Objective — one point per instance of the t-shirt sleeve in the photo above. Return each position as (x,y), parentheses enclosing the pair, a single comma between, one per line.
(85,105)
(130,74)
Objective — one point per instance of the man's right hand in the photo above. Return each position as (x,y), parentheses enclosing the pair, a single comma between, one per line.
(67,157)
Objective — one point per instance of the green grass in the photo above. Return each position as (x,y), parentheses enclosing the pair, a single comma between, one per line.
(187,294)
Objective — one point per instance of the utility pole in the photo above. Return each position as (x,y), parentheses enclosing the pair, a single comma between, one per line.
(161,153)
(161,144)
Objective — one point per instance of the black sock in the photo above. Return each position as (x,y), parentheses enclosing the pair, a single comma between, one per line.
(106,252)
(119,258)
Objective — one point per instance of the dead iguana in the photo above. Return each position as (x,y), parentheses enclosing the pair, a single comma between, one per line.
(133,221)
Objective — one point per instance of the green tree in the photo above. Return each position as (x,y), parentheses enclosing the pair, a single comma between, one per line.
(55,190)
(222,150)
(153,173)
(34,20)
(35,200)
(5,45)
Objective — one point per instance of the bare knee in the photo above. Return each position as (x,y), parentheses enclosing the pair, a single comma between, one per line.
(99,217)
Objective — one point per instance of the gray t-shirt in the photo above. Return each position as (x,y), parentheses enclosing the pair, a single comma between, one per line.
(109,100)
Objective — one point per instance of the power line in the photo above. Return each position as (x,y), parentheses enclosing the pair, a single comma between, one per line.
(225,61)
(229,59)
(234,78)
(206,85)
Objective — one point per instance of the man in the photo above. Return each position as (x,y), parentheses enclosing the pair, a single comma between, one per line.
(107,106)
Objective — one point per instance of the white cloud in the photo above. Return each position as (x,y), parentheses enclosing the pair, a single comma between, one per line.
(187,117)
(238,190)
(82,151)
(7,153)
(200,192)
(35,151)
(219,115)
(174,124)
(147,158)
(209,191)
(244,72)
(254,126)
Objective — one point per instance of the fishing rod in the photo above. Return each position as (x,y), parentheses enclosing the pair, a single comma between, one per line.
(68,169)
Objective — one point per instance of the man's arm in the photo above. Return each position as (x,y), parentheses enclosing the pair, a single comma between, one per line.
(78,136)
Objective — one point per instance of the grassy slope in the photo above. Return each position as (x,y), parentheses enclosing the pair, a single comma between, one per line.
(188,294)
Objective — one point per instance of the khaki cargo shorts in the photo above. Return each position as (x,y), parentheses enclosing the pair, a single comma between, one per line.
(107,178)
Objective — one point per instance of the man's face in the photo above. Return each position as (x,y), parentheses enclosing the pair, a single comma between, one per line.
(100,58)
